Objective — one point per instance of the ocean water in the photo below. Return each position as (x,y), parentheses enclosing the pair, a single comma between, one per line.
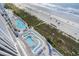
(68,5)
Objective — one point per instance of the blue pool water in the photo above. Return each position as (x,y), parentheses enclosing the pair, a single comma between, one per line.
(30,42)
(20,24)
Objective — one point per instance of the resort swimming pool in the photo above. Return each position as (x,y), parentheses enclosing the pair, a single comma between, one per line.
(20,24)
(30,42)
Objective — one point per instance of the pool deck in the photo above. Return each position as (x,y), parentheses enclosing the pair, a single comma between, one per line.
(35,38)
(41,48)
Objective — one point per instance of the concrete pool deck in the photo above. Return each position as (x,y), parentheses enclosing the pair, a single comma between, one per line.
(38,42)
